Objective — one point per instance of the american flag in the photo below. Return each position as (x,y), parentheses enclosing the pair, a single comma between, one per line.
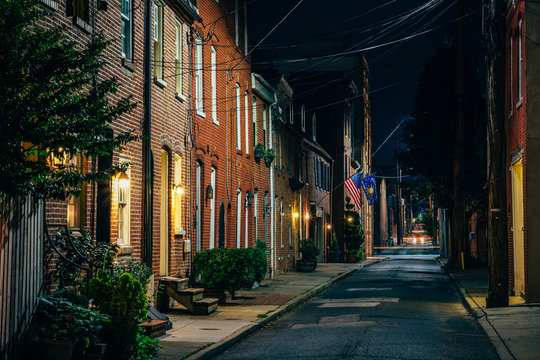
(353,185)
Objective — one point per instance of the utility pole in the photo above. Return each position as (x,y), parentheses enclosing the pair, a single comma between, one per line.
(458,249)
(497,230)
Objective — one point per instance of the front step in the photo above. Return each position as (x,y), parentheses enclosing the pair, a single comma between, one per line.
(191,298)
(154,328)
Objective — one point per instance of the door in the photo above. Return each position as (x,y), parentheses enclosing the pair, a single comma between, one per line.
(198,205)
(517,228)
(319,238)
(164,215)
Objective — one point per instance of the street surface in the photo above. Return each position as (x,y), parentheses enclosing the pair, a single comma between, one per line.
(396,309)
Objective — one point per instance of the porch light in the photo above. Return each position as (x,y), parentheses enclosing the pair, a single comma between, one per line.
(209,192)
(295,215)
(329,226)
(307,216)
(349,219)
(179,190)
(249,200)
(123,180)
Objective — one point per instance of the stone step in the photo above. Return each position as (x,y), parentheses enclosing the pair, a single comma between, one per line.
(193,293)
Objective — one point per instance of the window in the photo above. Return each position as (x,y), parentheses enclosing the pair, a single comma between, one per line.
(246,116)
(127,30)
(158,42)
(178,192)
(178,59)
(314,126)
(124,186)
(214,84)
(302,117)
(238,216)
(74,202)
(79,9)
(254,121)
(199,76)
(212,209)
(264,126)
(520,58)
(238,112)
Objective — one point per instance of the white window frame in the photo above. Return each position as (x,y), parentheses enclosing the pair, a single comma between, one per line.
(199,85)
(254,105)
(238,121)
(214,84)
(314,126)
(246,119)
(212,209)
(520,64)
(302,117)
(158,42)
(124,210)
(178,72)
(246,236)
(265,116)
(126,15)
(238,217)
(255,214)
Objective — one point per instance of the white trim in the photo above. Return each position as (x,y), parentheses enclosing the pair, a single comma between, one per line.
(212,209)
(214,84)
(246,119)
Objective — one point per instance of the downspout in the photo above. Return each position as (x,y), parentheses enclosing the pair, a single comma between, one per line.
(147,141)
(272,207)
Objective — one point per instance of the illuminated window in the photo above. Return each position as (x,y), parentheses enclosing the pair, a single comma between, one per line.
(124,206)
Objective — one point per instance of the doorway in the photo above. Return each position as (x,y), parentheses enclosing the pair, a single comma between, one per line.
(517,228)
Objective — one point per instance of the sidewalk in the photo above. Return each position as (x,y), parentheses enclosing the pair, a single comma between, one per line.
(515,330)
(203,337)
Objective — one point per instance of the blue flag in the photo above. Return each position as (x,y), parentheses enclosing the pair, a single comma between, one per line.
(369,186)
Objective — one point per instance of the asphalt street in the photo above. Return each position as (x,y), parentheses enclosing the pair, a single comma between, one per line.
(396,309)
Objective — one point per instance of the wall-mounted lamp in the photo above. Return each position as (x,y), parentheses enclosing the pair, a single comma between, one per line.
(209,192)
(267,208)
(123,180)
(178,189)
(307,216)
(249,200)
(349,219)
(329,226)
(295,215)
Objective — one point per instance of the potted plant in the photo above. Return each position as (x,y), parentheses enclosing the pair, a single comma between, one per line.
(309,253)
(60,327)
(258,152)
(269,156)
(334,253)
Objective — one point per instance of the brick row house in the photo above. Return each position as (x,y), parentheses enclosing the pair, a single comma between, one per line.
(339,101)
(522,148)
(218,163)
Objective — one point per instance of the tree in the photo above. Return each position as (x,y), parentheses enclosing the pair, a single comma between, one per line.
(53,107)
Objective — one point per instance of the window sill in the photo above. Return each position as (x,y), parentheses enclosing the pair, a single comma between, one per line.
(239,152)
(125,250)
(519,103)
(83,25)
(248,156)
(180,233)
(201,114)
(128,64)
(159,82)
(180,97)
(50,3)
(215,121)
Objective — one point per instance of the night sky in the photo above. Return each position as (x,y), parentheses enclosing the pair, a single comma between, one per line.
(395,36)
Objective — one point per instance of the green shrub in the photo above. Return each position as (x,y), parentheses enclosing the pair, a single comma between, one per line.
(259,244)
(353,234)
(309,250)
(229,269)
(124,299)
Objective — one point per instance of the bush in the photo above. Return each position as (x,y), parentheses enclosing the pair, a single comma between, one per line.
(124,299)
(309,250)
(353,234)
(229,269)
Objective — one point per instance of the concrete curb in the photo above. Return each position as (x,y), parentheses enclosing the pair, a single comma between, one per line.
(482,318)
(219,347)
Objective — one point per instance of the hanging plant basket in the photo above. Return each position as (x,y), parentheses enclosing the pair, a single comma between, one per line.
(269,156)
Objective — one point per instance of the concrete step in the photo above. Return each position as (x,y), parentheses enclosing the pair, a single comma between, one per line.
(176,283)
(205,306)
(193,293)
